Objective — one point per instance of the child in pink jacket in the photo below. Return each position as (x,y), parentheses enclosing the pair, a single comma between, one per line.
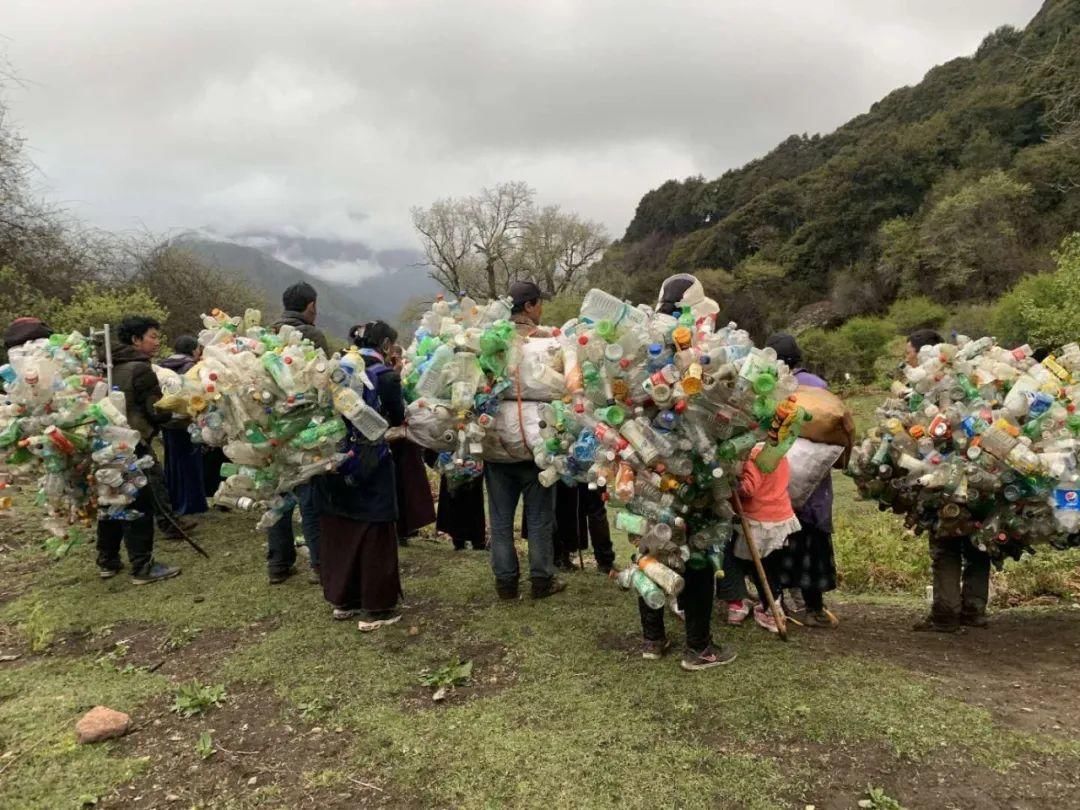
(770,516)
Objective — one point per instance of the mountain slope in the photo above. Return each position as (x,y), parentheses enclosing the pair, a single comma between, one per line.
(341,305)
(951,188)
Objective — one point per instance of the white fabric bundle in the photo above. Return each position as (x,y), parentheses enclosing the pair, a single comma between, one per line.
(810,463)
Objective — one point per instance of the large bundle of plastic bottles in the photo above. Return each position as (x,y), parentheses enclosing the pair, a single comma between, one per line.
(659,409)
(60,422)
(272,400)
(980,441)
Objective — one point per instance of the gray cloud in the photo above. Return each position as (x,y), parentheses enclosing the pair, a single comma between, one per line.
(333,118)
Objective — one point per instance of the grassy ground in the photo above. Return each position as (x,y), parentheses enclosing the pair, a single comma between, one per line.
(560,712)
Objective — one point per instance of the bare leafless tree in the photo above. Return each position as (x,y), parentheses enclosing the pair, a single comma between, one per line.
(481,244)
(557,246)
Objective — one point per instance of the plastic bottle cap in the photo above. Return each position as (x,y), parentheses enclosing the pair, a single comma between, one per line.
(583,339)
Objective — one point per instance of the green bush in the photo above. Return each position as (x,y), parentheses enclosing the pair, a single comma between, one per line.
(562,308)
(909,314)
(848,355)
(1044,310)
(973,320)
(92,306)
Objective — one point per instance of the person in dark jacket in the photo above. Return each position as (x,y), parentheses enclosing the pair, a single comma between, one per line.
(139,339)
(416,506)
(300,311)
(358,508)
(961,572)
(183,460)
(807,562)
(300,302)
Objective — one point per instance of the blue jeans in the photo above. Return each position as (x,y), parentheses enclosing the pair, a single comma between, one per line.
(280,540)
(506,483)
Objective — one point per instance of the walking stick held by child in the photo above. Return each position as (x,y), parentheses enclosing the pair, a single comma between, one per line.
(751,544)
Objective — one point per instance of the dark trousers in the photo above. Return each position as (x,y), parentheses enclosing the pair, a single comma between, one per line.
(695,601)
(732,586)
(136,535)
(581,515)
(161,504)
(506,484)
(771,564)
(961,579)
(281,541)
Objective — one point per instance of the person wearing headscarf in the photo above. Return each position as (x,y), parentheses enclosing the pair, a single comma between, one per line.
(358,507)
(808,562)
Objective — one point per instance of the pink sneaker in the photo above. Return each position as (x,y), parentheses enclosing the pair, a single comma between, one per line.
(737,611)
(765,619)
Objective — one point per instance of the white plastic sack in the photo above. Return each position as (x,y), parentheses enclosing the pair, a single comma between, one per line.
(810,463)
(431,427)
(539,372)
(511,440)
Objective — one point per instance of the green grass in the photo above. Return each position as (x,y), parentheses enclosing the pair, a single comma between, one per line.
(561,712)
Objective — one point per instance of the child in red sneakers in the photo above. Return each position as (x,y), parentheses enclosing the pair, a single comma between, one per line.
(768,512)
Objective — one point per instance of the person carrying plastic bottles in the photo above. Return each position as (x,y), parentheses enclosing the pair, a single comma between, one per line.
(139,340)
(961,572)
(358,506)
(300,310)
(696,599)
(507,482)
(183,465)
(807,563)
(416,506)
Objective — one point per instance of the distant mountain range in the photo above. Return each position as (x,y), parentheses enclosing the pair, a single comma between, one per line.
(355,282)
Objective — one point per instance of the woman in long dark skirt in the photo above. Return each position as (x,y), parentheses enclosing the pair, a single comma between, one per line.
(416,507)
(358,507)
(183,459)
(459,512)
(808,562)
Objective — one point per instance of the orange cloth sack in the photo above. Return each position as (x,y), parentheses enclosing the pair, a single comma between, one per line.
(832,422)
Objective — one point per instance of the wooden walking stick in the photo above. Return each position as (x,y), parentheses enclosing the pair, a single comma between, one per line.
(778,615)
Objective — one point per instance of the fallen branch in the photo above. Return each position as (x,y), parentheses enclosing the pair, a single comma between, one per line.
(365,784)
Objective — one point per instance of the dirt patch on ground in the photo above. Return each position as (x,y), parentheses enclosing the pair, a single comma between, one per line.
(839,776)
(493,670)
(1022,668)
(627,643)
(261,757)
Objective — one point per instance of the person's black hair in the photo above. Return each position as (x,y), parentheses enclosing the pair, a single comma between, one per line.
(786,348)
(924,337)
(298,296)
(185,344)
(371,335)
(517,309)
(133,327)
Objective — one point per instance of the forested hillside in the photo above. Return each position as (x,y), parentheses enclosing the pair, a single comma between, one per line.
(952,189)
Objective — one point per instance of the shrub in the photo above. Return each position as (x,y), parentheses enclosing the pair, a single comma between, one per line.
(1044,309)
(920,312)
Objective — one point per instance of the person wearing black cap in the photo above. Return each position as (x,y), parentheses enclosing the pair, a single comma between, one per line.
(527,308)
(807,563)
(507,482)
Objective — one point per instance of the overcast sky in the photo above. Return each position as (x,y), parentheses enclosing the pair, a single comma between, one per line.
(334,117)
